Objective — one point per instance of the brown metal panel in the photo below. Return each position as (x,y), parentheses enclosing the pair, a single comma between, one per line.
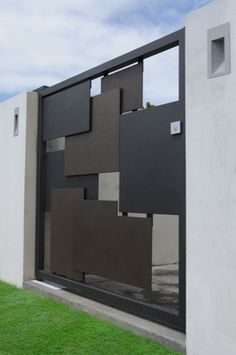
(96,151)
(67,112)
(62,231)
(117,248)
(130,80)
(55,178)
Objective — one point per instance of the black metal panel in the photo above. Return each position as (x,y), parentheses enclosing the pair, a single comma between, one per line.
(96,151)
(67,112)
(118,248)
(152,161)
(130,80)
(55,178)
(62,231)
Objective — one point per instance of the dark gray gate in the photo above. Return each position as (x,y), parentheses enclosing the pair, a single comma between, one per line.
(81,238)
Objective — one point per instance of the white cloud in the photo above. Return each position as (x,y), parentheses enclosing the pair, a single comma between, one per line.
(48,41)
(161,78)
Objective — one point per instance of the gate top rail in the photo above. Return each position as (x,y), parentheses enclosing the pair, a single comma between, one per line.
(163,44)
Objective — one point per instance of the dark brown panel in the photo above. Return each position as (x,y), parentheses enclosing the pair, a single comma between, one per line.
(67,112)
(130,80)
(55,178)
(62,229)
(152,161)
(96,151)
(117,248)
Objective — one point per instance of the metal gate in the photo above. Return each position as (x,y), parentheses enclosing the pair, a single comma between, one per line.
(101,245)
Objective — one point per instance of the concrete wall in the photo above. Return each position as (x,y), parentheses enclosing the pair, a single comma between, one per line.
(211,188)
(18,188)
(165,239)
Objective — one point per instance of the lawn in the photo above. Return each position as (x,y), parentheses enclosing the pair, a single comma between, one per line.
(32,324)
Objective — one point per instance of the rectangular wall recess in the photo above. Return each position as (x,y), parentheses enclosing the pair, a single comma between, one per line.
(219,51)
(16,122)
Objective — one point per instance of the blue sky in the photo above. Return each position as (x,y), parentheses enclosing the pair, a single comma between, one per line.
(47,41)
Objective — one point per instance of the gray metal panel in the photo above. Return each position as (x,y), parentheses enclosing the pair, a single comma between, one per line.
(152,161)
(130,80)
(96,151)
(55,178)
(117,248)
(62,229)
(67,112)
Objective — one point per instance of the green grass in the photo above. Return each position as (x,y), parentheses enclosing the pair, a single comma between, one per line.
(32,324)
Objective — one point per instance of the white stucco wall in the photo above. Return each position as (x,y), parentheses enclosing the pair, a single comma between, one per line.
(18,188)
(211,188)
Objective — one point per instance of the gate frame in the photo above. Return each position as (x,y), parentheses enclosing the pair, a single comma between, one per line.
(156,313)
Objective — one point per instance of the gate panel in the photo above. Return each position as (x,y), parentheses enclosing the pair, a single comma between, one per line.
(67,112)
(62,231)
(117,248)
(152,163)
(97,151)
(55,178)
(130,81)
